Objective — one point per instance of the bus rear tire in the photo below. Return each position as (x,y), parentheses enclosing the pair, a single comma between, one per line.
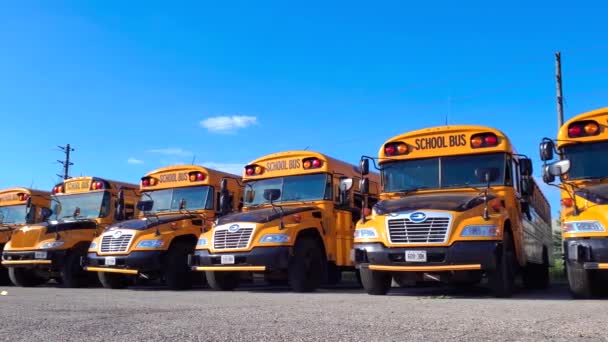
(177,273)
(222,281)
(502,278)
(306,267)
(375,282)
(24,277)
(112,280)
(579,280)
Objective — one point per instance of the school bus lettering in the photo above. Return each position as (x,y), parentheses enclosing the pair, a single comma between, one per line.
(441,142)
(283,165)
(174,177)
(79,185)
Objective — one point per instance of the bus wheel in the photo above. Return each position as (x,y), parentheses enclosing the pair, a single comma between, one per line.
(4,278)
(112,280)
(72,274)
(177,273)
(375,282)
(24,277)
(222,281)
(502,278)
(579,280)
(306,267)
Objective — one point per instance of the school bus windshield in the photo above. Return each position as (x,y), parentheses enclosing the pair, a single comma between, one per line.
(293,188)
(441,172)
(87,205)
(197,197)
(12,214)
(587,160)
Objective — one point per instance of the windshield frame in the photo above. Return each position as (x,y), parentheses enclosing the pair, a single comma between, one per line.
(588,153)
(209,203)
(326,196)
(440,172)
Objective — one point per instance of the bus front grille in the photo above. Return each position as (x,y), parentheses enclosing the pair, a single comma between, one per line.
(223,239)
(111,244)
(432,230)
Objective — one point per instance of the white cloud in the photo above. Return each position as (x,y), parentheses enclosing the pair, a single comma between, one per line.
(234,168)
(134,161)
(171,151)
(228,124)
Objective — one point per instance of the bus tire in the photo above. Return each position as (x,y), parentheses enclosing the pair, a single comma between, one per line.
(112,280)
(72,274)
(502,278)
(375,282)
(4,278)
(177,273)
(579,280)
(222,281)
(24,277)
(306,266)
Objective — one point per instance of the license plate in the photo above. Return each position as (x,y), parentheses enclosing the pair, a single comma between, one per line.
(40,255)
(227,259)
(110,261)
(415,256)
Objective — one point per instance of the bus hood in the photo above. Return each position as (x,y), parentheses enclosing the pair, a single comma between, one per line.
(150,222)
(30,236)
(597,194)
(262,215)
(444,201)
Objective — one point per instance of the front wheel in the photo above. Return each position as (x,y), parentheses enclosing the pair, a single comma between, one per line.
(24,277)
(579,279)
(222,281)
(4,278)
(502,278)
(177,273)
(307,266)
(112,280)
(375,282)
(72,274)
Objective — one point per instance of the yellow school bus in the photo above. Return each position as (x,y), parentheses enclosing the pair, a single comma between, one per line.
(18,207)
(458,204)
(178,203)
(583,171)
(82,207)
(296,225)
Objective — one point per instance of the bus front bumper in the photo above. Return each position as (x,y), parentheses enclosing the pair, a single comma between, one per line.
(460,256)
(592,253)
(260,259)
(133,263)
(39,258)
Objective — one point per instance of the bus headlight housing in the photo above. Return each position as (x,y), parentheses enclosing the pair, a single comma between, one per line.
(485,230)
(366,233)
(52,244)
(275,238)
(150,244)
(93,246)
(202,242)
(583,227)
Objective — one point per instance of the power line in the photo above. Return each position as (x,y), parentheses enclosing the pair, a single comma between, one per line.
(66,163)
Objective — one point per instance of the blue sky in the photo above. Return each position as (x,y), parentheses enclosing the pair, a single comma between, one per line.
(141,84)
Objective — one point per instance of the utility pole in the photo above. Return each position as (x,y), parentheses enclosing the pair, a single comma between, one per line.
(558,79)
(66,164)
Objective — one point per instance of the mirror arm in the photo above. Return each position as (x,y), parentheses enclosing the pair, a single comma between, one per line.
(373,161)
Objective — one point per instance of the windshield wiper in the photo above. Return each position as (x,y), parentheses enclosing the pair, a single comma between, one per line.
(405,192)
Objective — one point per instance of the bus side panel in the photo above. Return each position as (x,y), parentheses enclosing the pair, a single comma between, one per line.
(344,237)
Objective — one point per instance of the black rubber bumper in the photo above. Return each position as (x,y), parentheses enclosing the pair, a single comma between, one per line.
(586,250)
(459,253)
(56,257)
(140,261)
(274,258)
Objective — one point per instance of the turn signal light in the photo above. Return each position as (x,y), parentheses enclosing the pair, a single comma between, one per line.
(58,189)
(312,163)
(97,185)
(484,140)
(146,181)
(23,197)
(253,170)
(583,129)
(196,176)
(395,149)
(567,202)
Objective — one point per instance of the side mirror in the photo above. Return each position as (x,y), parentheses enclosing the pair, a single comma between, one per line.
(527,187)
(546,150)
(272,195)
(364,186)
(525,167)
(559,168)
(224,185)
(145,205)
(547,177)
(486,174)
(45,213)
(345,185)
(364,166)
(120,206)
(225,205)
